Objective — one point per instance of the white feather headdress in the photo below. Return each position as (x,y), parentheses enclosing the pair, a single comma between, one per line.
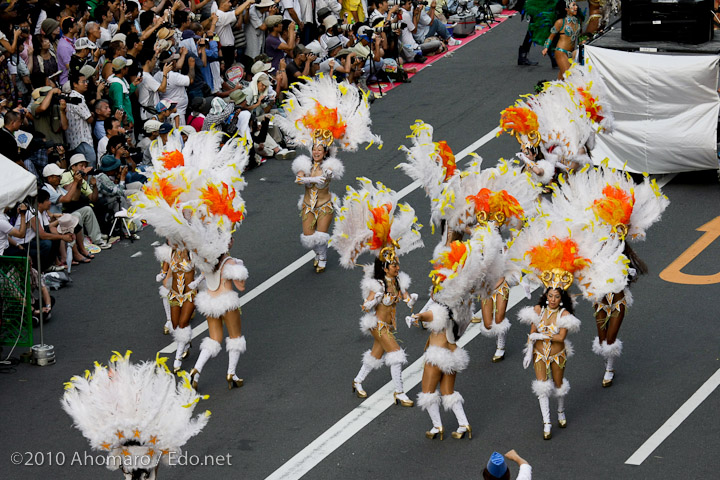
(558,253)
(323,105)
(503,194)
(371,219)
(136,412)
(610,198)
(193,198)
(590,94)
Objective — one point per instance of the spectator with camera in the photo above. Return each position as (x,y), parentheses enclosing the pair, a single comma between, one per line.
(49,240)
(167,113)
(302,64)
(8,230)
(66,47)
(177,83)
(88,188)
(49,113)
(223,20)
(429,26)
(120,90)
(59,197)
(79,132)
(112,127)
(119,148)
(8,144)
(112,177)
(411,50)
(151,129)
(280,39)
(86,53)
(149,89)
(255,28)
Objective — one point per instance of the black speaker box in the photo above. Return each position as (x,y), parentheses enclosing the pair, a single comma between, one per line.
(682,21)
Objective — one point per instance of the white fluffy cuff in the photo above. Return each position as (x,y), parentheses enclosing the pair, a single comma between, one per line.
(543,388)
(447,361)
(397,357)
(371,361)
(183,335)
(564,388)
(496,328)
(310,241)
(236,344)
(425,400)
(449,401)
(605,350)
(213,347)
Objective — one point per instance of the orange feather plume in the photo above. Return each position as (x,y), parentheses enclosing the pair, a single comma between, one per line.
(380,226)
(556,253)
(492,202)
(447,157)
(172,159)
(162,188)
(220,202)
(519,120)
(615,207)
(481,200)
(450,259)
(325,118)
(503,202)
(590,104)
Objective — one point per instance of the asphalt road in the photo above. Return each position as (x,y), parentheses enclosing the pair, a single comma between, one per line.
(304,345)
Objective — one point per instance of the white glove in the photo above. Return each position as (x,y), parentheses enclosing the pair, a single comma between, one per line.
(411,301)
(160,277)
(387,300)
(310,180)
(369,304)
(528,357)
(194,284)
(410,319)
(328,174)
(534,337)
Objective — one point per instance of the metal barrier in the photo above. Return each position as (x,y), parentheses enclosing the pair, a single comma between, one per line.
(16,326)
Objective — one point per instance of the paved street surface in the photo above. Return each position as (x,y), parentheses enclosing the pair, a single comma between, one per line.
(304,345)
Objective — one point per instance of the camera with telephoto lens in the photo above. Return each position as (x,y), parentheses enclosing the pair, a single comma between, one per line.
(393,3)
(391,26)
(345,27)
(416,3)
(67,98)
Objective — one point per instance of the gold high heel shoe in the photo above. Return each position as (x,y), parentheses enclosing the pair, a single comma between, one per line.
(166,331)
(193,381)
(400,401)
(358,390)
(319,269)
(187,352)
(476,320)
(431,435)
(562,423)
(498,358)
(546,435)
(459,435)
(608,383)
(177,368)
(232,382)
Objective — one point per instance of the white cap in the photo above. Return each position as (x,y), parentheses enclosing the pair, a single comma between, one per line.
(52,169)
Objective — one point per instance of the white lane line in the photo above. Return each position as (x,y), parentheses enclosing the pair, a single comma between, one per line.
(287,271)
(675,420)
(367,411)
(378,402)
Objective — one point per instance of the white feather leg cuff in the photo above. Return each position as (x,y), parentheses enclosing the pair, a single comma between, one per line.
(426,400)
(370,361)
(397,357)
(563,389)
(236,344)
(449,401)
(543,388)
(212,346)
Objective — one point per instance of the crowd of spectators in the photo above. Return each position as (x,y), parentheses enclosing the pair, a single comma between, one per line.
(90,90)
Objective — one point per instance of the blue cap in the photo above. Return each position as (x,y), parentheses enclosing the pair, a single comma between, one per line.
(496,465)
(165,128)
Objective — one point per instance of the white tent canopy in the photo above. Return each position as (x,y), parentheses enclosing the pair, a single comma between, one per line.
(665,107)
(16,183)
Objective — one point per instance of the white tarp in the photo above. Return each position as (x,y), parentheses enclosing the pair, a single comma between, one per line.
(666,110)
(16,183)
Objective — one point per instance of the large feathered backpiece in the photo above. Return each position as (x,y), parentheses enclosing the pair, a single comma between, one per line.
(135,412)
(321,110)
(372,219)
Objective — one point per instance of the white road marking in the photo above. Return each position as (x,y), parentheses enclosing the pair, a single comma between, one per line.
(675,420)
(378,402)
(290,269)
(367,411)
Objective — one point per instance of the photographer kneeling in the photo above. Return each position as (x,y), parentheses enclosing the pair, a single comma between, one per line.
(411,50)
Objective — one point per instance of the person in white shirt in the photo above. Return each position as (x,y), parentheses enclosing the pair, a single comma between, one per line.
(224,19)
(255,28)
(7,230)
(429,26)
(149,89)
(411,50)
(177,83)
(113,127)
(497,469)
